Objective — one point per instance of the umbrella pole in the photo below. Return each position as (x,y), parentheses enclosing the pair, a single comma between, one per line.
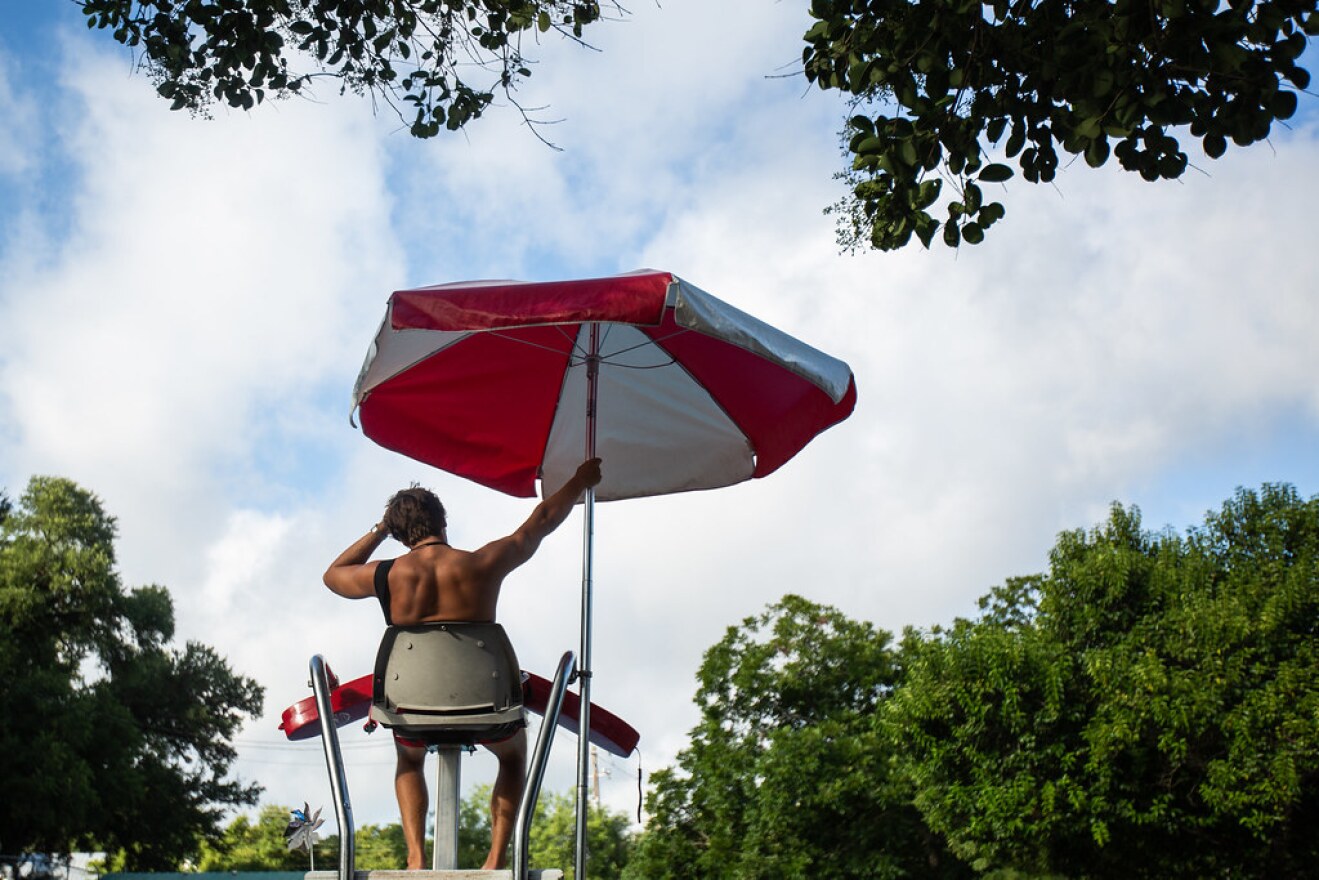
(588,554)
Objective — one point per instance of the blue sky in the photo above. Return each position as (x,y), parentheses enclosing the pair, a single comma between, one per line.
(184,305)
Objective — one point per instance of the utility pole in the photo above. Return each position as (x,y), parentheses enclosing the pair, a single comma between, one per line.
(595,774)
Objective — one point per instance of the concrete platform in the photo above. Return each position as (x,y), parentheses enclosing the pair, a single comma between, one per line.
(459,874)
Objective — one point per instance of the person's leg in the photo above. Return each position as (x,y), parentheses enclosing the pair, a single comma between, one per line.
(507,794)
(410,787)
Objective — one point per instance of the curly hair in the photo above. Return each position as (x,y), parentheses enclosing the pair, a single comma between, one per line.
(414,514)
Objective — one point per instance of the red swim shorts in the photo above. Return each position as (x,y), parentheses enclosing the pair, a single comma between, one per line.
(410,743)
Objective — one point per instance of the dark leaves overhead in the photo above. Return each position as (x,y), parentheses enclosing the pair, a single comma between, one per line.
(438,63)
(940,84)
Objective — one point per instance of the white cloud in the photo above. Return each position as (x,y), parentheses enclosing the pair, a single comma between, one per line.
(239,563)
(675,101)
(213,276)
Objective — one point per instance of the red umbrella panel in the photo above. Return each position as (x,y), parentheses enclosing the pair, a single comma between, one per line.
(487,380)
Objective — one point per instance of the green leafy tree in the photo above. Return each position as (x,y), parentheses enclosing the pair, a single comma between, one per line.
(111,740)
(259,844)
(473,828)
(940,84)
(787,774)
(1149,708)
(553,834)
(437,63)
(377,848)
(553,843)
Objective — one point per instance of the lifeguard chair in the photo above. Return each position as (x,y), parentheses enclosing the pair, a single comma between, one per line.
(450,685)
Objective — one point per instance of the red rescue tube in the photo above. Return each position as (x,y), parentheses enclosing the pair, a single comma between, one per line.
(352,701)
(608,731)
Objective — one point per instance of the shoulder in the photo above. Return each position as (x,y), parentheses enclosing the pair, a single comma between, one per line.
(354,581)
(425,566)
(503,554)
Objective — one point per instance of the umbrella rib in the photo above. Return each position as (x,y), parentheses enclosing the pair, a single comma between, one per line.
(608,359)
(577,355)
(529,343)
(667,363)
(581,351)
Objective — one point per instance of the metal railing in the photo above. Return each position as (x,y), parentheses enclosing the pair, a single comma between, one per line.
(539,758)
(343,809)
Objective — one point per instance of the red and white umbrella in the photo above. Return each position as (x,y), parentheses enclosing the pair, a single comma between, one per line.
(488,380)
(506,382)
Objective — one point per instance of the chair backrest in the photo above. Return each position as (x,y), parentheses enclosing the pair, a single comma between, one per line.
(451,683)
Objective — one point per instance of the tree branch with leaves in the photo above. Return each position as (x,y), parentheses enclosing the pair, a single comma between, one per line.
(437,63)
(942,87)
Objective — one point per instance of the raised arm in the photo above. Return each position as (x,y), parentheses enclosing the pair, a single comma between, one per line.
(350,575)
(508,553)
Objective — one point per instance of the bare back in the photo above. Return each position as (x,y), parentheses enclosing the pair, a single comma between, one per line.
(439,582)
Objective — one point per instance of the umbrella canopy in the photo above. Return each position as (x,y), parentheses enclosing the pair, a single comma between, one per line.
(488,380)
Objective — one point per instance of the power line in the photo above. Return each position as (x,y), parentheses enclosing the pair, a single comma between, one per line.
(307,745)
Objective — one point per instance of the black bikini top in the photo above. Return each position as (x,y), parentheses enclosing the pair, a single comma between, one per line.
(382,587)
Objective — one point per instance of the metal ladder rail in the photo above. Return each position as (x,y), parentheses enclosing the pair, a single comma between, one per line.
(343,810)
(539,758)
